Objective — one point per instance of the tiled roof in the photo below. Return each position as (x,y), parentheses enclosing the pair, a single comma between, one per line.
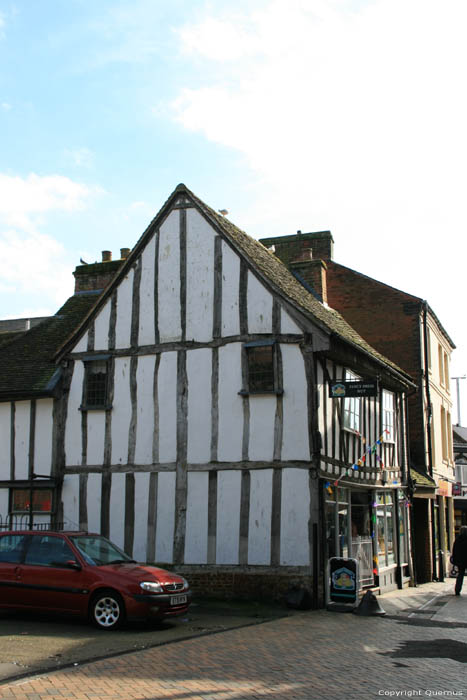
(423,480)
(27,363)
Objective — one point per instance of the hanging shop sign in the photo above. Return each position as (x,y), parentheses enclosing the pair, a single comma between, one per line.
(343,580)
(354,388)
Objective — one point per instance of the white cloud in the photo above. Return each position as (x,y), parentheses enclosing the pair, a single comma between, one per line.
(81,157)
(6,106)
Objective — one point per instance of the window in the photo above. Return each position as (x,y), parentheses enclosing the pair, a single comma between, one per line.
(388,415)
(444,437)
(446,370)
(47,550)
(441,365)
(41,500)
(260,357)
(385,528)
(351,407)
(96,383)
(11,548)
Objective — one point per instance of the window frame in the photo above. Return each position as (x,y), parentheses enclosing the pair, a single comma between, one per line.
(388,425)
(88,364)
(248,350)
(352,406)
(27,491)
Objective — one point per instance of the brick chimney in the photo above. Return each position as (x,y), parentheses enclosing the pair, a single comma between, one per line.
(313,272)
(96,276)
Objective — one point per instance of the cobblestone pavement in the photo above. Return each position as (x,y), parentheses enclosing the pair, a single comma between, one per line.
(419,649)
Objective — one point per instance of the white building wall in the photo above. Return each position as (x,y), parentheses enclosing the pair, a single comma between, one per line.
(146,335)
(169,279)
(199,371)
(73,418)
(259,532)
(295,442)
(22,422)
(196,537)
(262,417)
(117,510)
(121,411)
(4,505)
(101,328)
(165,521)
(96,437)
(228,516)
(145,410)
(287,324)
(167,397)
(230,291)
(124,304)
(5,440)
(70,500)
(200,277)
(82,344)
(230,403)
(43,436)
(295,511)
(93,495)
(259,306)
(141,516)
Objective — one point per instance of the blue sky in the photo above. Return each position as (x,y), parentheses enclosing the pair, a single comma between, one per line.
(346,115)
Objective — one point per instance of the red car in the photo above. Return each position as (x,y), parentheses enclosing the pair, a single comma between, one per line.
(82,573)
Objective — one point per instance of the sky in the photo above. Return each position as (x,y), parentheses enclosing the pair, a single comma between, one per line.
(340,115)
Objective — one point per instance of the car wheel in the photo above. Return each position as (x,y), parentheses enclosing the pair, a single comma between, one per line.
(107,610)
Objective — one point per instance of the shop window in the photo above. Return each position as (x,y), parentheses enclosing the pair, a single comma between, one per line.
(95,395)
(261,367)
(41,500)
(352,407)
(337,522)
(388,415)
(385,528)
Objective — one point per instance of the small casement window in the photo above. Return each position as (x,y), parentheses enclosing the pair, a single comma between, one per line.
(352,406)
(41,500)
(261,367)
(388,416)
(95,394)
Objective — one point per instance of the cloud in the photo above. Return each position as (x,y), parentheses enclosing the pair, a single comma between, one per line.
(81,157)
(6,106)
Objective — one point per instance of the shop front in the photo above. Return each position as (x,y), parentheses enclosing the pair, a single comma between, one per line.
(372,526)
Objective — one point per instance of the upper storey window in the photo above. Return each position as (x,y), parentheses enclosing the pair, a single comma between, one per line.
(388,415)
(261,368)
(96,384)
(352,406)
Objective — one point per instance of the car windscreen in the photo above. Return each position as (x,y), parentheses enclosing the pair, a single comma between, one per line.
(97,551)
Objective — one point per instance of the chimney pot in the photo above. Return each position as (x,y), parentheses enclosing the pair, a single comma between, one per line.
(124,253)
(106,255)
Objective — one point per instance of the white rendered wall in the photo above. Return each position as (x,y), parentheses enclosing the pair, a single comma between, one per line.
(70,500)
(165,522)
(96,437)
(101,328)
(124,304)
(22,421)
(287,324)
(196,536)
(262,416)
(295,442)
(94,490)
(295,514)
(169,279)
(73,417)
(200,277)
(230,404)
(259,531)
(121,411)
(4,504)
(141,516)
(82,344)
(228,516)
(199,370)
(146,335)
(43,436)
(117,509)
(5,437)
(167,397)
(259,306)
(145,410)
(230,291)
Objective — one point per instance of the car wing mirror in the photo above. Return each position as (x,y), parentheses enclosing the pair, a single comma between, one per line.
(73,564)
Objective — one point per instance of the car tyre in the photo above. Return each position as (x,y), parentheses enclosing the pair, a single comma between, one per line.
(107,610)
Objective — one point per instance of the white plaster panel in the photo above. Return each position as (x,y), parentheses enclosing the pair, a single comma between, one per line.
(196,536)
(200,277)
(82,344)
(262,416)
(145,409)
(169,279)
(167,397)
(230,291)
(259,306)
(146,335)
(5,438)
(70,500)
(101,327)
(230,403)
(124,304)
(295,442)
(259,527)
(141,516)
(94,497)
(199,370)
(4,505)
(96,437)
(287,324)
(295,514)
(165,522)
(323,412)
(117,509)
(121,411)
(22,421)
(73,417)
(43,436)
(228,516)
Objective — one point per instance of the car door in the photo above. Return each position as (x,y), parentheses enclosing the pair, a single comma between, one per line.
(11,553)
(47,578)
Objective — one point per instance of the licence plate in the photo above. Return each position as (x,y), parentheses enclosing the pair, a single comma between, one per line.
(177,599)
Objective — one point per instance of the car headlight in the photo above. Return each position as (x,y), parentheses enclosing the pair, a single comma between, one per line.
(151,586)
(185,583)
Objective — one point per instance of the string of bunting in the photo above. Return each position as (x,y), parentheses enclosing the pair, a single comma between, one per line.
(360,462)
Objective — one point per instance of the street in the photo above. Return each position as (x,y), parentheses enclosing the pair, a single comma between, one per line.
(418,649)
